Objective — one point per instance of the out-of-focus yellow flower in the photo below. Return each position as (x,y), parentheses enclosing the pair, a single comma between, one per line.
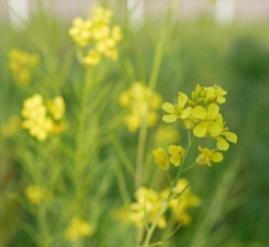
(11,127)
(208,156)
(56,107)
(184,200)
(22,65)
(178,111)
(142,103)
(36,115)
(161,158)
(145,210)
(92,58)
(35,194)
(150,205)
(78,228)
(166,135)
(176,154)
(81,31)
(96,37)
(59,127)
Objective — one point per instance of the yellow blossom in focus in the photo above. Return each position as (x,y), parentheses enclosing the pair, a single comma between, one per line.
(35,194)
(183,202)
(142,103)
(176,154)
(161,158)
(178,111)
(207,95)
(208,156)
(207,121)
(78,228)
(21,65)
(96,37)
(224,138)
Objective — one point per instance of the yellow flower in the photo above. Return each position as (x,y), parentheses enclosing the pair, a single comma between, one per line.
(22,65)
(56,107)
(207,121)
(177,111)
(81,31)
(35,194)
(93,57)
(132,121)
(78,228)
(146,209)
(142,104)
(36,118)
(208,156)
(224,139)
(183,202)
(160,158)
(176,154)
(39,127)
(208,95)
(95,37)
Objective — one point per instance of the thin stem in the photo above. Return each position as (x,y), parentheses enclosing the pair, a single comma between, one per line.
(140,154)
(152,84)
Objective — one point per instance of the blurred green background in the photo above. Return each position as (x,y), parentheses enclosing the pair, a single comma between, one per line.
(235,208)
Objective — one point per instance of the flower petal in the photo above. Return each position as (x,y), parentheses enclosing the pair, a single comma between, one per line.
(182,100)
(217,157)
(169,118)
(200,130)
(168,107)
(222,144)
(212,111)
(214,128)
(198,112)
(230,136)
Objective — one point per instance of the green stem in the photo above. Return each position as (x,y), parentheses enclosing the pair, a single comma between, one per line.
(140,154)
(154,225)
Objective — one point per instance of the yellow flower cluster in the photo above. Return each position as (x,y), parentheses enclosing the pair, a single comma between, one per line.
(35,194)
(78,228)
(201,114)
(95,37)
(176,154)
(40,119)
(142,103)
(208,156)
(151,205)
(183,202)
(22,65)
(146,209)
